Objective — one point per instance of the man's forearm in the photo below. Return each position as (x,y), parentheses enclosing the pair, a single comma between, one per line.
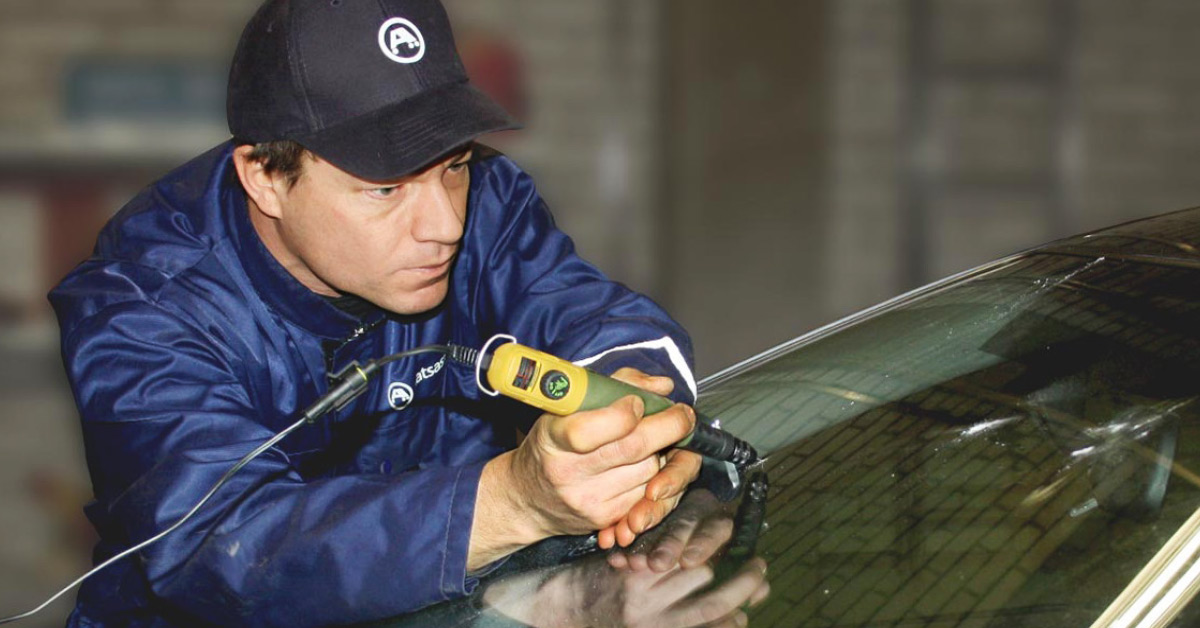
(502,524)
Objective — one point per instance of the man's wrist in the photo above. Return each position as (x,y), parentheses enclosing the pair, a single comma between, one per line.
(504,520)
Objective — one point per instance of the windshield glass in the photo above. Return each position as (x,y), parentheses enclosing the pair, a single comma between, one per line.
(1007,451)
(1011,448)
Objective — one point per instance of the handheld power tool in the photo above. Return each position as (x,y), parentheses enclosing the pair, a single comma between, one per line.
(557,386)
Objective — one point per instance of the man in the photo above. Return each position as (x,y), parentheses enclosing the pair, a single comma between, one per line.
(351,218)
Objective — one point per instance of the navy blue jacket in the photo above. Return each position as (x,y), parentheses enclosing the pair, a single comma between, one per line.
(188,345)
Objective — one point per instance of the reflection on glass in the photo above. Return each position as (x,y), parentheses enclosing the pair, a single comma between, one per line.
(697,568)
(1009,451)
(628,588)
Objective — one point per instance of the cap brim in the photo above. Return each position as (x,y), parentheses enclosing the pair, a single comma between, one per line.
(402,138)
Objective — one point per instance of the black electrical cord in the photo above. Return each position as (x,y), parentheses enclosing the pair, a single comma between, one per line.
(352,381)
(347,385)
(747,526)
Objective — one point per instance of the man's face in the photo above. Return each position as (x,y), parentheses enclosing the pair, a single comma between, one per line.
(392,243)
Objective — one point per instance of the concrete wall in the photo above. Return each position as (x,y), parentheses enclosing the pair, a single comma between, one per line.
(589,141)
(1047,118)
(743,155)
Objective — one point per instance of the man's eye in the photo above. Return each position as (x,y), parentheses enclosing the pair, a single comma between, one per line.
(459,167)
(384,192)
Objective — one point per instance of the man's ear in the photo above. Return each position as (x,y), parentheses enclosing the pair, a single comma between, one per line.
(262,188)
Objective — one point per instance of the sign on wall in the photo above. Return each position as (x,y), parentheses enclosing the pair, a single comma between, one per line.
(142,89)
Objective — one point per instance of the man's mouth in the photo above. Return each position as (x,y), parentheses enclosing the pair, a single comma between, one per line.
(436,268)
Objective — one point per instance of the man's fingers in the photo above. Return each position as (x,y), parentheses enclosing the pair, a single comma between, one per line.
(623,531)
(654,433)
(761,594)
(644,515)
(682,468)
(712,534)
(681,583)
(737,620)
(669,548)
(641,515)
(625,536)
(693,534)
(607,538)
(630,479)
(637,562)
(721,603)
(585,432)
(657,385)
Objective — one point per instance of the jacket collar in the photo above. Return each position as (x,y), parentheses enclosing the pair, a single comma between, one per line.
(282,292)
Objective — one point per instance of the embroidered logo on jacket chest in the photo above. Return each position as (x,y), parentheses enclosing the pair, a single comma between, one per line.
(400,394)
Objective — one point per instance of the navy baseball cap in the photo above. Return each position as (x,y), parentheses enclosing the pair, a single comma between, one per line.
(374,87)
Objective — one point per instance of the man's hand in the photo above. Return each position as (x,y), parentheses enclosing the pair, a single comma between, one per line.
(693,535)
(664,490)
(595,470)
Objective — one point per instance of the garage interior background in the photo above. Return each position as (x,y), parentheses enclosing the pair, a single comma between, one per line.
(760,168)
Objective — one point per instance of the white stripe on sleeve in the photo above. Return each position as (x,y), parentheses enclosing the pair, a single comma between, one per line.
(662,344)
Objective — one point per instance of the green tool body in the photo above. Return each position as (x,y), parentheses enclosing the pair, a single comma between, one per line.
(557,386)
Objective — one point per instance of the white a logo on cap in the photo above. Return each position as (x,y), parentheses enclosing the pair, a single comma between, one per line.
(401,41)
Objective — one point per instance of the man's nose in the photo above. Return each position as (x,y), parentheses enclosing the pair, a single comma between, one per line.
(437,218)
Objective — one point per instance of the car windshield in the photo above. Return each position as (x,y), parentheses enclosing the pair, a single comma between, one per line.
(1011,450)
(1013,447)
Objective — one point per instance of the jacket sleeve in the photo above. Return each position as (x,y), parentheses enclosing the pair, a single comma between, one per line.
(533,285)
(166,414)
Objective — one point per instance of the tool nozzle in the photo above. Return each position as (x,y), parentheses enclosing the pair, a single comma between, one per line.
(719,445)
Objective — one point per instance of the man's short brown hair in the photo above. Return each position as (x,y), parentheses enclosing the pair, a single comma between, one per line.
(283,157)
